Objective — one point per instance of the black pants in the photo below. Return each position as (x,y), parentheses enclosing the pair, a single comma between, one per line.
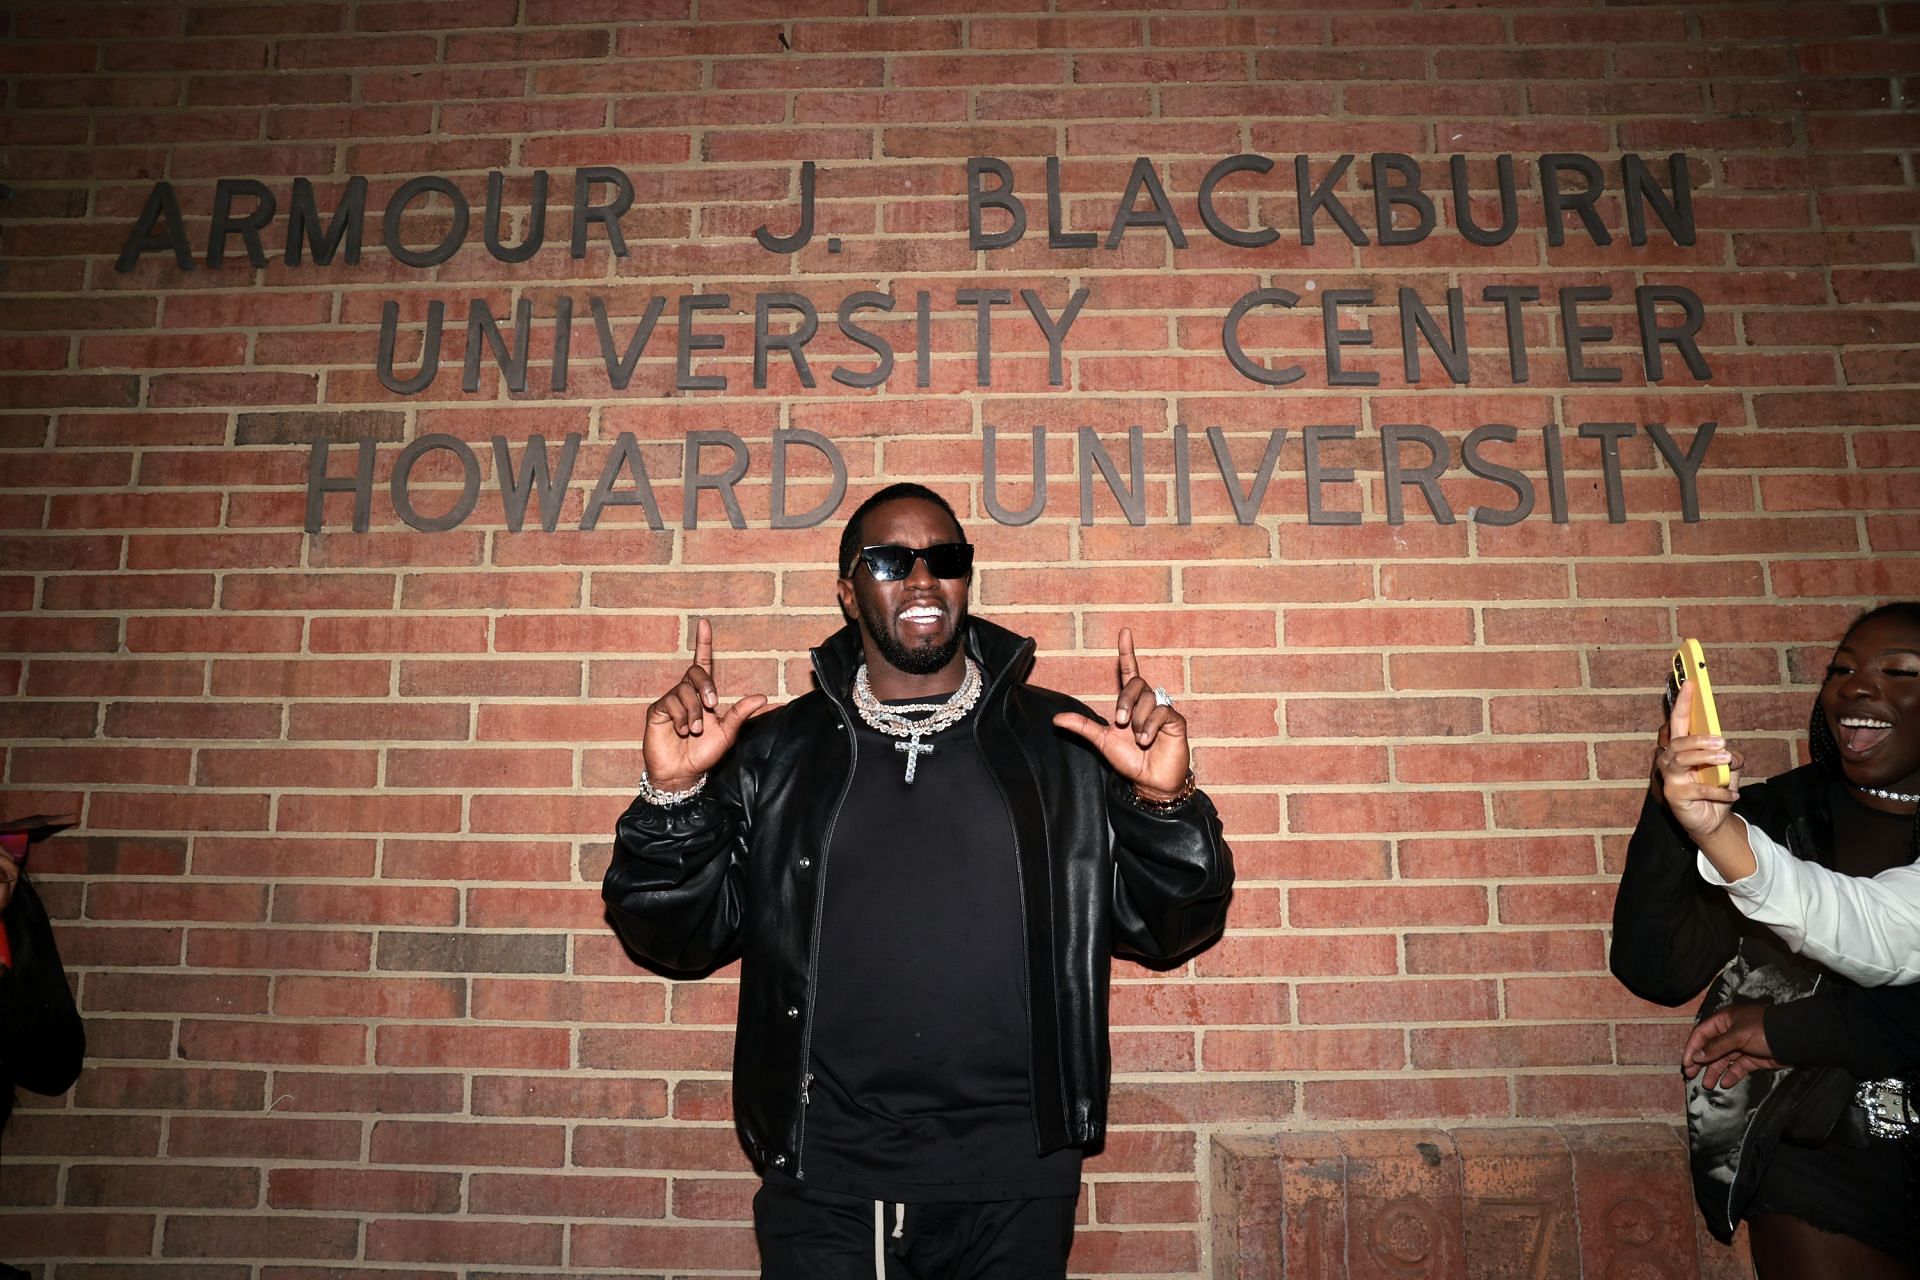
(819,1235)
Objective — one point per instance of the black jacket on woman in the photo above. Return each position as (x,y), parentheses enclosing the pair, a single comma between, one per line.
(41,1039)
(1674,934)
(738,872)
(1673,931)
(1871,1031)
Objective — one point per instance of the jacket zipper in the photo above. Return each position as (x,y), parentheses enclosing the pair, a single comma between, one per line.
(819,913)
(1019,879)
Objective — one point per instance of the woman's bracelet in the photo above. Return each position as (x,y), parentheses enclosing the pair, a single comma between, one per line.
(655,796)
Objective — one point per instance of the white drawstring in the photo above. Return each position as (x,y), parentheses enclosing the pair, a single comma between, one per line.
(879,1234)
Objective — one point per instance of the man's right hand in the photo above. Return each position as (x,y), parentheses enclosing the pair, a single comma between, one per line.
(687,733)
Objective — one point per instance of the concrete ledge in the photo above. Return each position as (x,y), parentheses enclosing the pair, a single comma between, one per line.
(1528,1203)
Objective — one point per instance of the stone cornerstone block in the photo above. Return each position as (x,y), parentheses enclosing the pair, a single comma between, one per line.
(1521,1203)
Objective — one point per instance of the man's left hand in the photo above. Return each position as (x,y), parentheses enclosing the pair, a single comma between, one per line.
(1147,743)
(1729,1045)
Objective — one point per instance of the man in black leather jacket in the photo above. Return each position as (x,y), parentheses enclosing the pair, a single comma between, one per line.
(922,1052)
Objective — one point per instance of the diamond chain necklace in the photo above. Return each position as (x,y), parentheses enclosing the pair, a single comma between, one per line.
(1899,797)
(895,721)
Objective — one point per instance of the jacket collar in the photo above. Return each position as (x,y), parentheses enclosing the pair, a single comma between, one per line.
(1005,657)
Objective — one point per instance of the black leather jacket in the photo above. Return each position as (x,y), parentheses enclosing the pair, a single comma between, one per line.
(739,872)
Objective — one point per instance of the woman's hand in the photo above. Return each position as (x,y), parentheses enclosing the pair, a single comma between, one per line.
(1701,809)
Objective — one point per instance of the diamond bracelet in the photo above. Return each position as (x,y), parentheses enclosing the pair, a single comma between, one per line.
(655,796)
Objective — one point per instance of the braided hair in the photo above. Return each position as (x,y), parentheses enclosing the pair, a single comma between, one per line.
(1821,747)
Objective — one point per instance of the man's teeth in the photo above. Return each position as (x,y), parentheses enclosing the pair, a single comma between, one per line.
(920,615)
(1863,722)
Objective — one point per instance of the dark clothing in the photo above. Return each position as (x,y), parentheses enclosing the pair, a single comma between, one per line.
(920,1088)
(1871,1031)
(808,1234)
(1672,931)
(1852,1191)
(738,872)
(41,1039)
(1766,1144)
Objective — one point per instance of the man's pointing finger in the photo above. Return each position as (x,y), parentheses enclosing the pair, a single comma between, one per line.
(703,658)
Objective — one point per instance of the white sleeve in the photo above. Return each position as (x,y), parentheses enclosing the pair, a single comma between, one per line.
(1864,928)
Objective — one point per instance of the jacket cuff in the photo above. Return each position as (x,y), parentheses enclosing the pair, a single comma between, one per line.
(1807,1033)
(664,821)
(1121,795)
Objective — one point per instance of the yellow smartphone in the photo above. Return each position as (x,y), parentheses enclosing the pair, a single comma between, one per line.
(1690,667)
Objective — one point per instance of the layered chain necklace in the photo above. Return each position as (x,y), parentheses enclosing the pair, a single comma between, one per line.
(898,722)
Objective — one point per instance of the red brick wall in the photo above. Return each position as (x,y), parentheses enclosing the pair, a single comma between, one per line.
(333,908)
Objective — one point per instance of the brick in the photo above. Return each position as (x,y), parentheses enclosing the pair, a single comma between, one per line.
(457,1143)
(1390,811)
(571,1195)
(387,1093)
(384,998)
(246,1237)
(137,1186)
(569,1095)
(46,1133)
(364,905)
(1465,1048)
(1249,955)
(109,1235)
(176,993)
(284,950)
(368,1190)
(1285,1052)
(274,1042)
(355,722)
(471,953)
(1532,951)
(652,1048)
(1396,1001)
(172,1088)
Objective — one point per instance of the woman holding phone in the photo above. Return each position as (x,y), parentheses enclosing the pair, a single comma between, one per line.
(1724,885)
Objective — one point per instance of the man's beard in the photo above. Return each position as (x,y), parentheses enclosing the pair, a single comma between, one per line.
(921,661)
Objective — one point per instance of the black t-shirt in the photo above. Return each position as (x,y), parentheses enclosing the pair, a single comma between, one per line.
(1867,841)
(1872,1031)
(920,1088)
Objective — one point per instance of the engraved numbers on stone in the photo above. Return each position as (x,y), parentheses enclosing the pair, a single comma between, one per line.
(1403,1236)
(1539,1220)
(1641,1237)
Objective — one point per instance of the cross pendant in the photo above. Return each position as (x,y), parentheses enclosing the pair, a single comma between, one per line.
(914,749)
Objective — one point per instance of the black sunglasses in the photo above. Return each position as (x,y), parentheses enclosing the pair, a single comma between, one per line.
(891,563)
